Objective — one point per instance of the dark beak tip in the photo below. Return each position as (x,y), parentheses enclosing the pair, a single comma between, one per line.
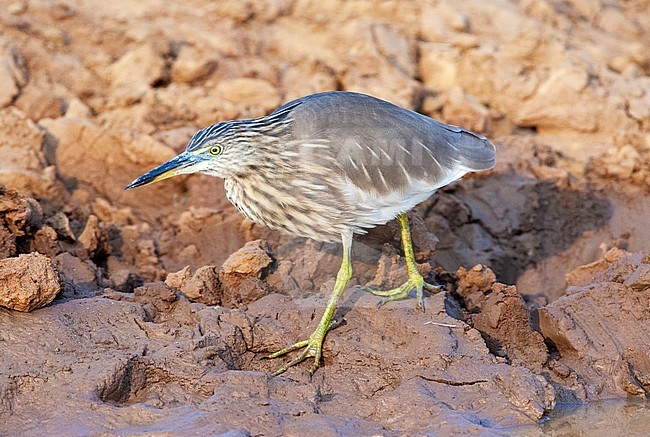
(153,175)
(135,183)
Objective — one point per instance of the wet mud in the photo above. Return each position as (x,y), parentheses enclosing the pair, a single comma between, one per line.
(150,311)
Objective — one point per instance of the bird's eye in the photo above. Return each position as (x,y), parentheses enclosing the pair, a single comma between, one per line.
(215,150)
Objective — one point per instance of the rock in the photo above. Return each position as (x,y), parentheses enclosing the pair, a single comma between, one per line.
(24,166)
(564,99)
(46,242)
(249,93)
(473,284)
(501,315)
(191,241)
(139,250)
(241,274)
(80,275)
(177,279)
(20,216)
(21,142)
(125,281)
(203,286)
(107,212)
(192,64)
(38,103)
(463,110)
(306,78)
(439,66)
(61,225)
(13,74)
(138,68)
(600,330)
(504,321)
(93,238)
(77,109)
(374,68)
(156,297)
(17,8)
(584,275)
(640,279)
(79,141)
(28,282)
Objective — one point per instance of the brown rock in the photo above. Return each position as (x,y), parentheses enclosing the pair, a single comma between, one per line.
(306,78)
(573,102)
(464,110)
(19,216)
(93,238)
(45,241)
(28,282)
(600,331)
(473,284)
(439,66)
(13,73)
(125,281)
(242,272)
(8,87)
(583,275)
(38,103)
(500,313)
(140,67)
(192,64)
(640,279)
(21,146)
(116,161)
(177,279)
(140,250)
(156,297)
(77,109)
(82,275)
(196,232)
(61,225)
(249,93)
(203,286)
(505,324)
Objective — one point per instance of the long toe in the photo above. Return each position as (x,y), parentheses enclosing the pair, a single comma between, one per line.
(311,348)
(433,288)
(415,282)
(299,359)
(288,349)
(398,293)
(402,291)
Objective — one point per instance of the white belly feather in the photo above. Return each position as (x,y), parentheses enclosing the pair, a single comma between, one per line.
(374,210)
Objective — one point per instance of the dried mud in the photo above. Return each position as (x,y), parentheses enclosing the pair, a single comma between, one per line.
(156,306)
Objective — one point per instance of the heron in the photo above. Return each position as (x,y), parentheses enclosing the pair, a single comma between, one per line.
(328,166)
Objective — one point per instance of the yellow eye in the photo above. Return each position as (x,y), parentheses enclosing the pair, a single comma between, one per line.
(215,150)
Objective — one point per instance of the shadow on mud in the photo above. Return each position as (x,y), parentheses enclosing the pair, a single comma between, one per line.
(510,222)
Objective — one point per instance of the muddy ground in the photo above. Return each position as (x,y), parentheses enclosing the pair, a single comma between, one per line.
(148,311)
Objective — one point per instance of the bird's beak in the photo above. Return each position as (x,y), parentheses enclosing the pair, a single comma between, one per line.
(178,165)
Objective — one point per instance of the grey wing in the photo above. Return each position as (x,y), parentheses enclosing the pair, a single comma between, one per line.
(383,148)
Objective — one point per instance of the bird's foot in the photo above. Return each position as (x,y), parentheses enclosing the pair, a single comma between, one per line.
(415,282)
(311,348)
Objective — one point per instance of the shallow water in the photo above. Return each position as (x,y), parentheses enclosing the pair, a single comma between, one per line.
(598,419)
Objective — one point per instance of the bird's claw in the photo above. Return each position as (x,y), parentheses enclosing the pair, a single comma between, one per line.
(415,282)
(311,348)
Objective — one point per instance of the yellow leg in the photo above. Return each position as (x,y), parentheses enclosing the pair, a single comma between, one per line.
(313,347)
(415,280)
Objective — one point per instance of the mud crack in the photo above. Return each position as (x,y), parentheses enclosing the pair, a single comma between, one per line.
(449,382)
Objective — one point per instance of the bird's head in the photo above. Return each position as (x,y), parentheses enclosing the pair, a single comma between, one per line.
(223,150)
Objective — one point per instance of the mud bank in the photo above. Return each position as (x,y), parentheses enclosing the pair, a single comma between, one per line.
(149,311)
